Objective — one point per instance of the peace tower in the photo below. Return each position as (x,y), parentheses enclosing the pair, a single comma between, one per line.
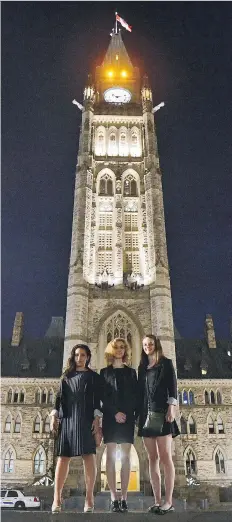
(118,282)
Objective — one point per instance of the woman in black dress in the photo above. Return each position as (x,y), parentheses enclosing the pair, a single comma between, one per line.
(76,418)
(158,393)
(119,398)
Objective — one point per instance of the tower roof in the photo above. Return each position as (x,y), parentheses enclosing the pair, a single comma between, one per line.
(116,52)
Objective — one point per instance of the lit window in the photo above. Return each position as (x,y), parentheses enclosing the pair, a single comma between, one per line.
(180,397)
(185,397)
(39,462)
(9,462)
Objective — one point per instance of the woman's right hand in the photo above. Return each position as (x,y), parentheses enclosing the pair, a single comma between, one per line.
(54,423)
(120,417)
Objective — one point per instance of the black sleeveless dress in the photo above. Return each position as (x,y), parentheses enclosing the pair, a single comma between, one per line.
(76,401)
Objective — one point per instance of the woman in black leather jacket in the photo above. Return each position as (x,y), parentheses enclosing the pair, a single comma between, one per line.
(158,395)
(119,398)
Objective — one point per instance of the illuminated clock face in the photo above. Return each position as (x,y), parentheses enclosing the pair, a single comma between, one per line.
(117,95)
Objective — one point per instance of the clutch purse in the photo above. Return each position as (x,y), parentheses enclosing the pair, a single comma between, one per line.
(154,422)
(98,437)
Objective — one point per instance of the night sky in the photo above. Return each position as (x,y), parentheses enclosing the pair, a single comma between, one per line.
(47,50)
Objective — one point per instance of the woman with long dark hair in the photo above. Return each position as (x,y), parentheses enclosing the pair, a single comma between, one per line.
(119,398)
(157,425)
(76,418)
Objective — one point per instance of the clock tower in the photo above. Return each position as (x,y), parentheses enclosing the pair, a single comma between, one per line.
(119,277)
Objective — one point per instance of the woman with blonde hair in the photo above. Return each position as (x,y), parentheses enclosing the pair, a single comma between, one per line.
(76,419)
(119,398)
(158,399)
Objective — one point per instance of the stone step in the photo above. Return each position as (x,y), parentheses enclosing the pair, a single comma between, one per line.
(40,516)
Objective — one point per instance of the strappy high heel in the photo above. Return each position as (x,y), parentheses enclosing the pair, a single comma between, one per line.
(88,509)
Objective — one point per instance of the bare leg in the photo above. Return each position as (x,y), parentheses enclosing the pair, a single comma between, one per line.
(125,469)
(90,471)
(62,468)
(110,468)
(151,447)
(165,453)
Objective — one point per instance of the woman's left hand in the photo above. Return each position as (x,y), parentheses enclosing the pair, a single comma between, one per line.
(170,415)
(96,425)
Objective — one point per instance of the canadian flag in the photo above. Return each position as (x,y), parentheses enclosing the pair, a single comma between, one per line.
(123,23)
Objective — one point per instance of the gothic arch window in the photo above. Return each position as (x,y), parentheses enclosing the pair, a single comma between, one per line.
(40,462)
(22,396)
(112,144)
(135,146)
(105,185)
(44,396)
(130,186)
(219,397)
(190,462)
(50,397)
(123,142)
(180,397)
(37,396)
(9,395)
(17,424)
(8,422)
(219,462)
(9,461)
(185,397)
(100,141)
(191,397)
(212,397)
(192,426)
(207,400)
(211,428)
(220,425)
(16,396)
(36,427)
(109,337)
(183,425)
(118,326)
(47,424)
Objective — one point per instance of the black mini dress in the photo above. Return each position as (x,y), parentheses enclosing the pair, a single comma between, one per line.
(76,400)
(126,382)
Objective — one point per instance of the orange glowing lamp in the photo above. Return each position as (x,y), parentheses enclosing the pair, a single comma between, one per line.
(110,74)
(124,74)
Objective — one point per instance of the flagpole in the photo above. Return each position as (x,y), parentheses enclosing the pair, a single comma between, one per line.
(116,24)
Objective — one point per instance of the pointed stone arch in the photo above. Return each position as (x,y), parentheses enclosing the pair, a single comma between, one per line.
(131,173)
(190,461)
(219,458)
(39,460)
(9,459)
(120,323)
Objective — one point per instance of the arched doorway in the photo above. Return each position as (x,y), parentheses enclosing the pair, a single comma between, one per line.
(134,482)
